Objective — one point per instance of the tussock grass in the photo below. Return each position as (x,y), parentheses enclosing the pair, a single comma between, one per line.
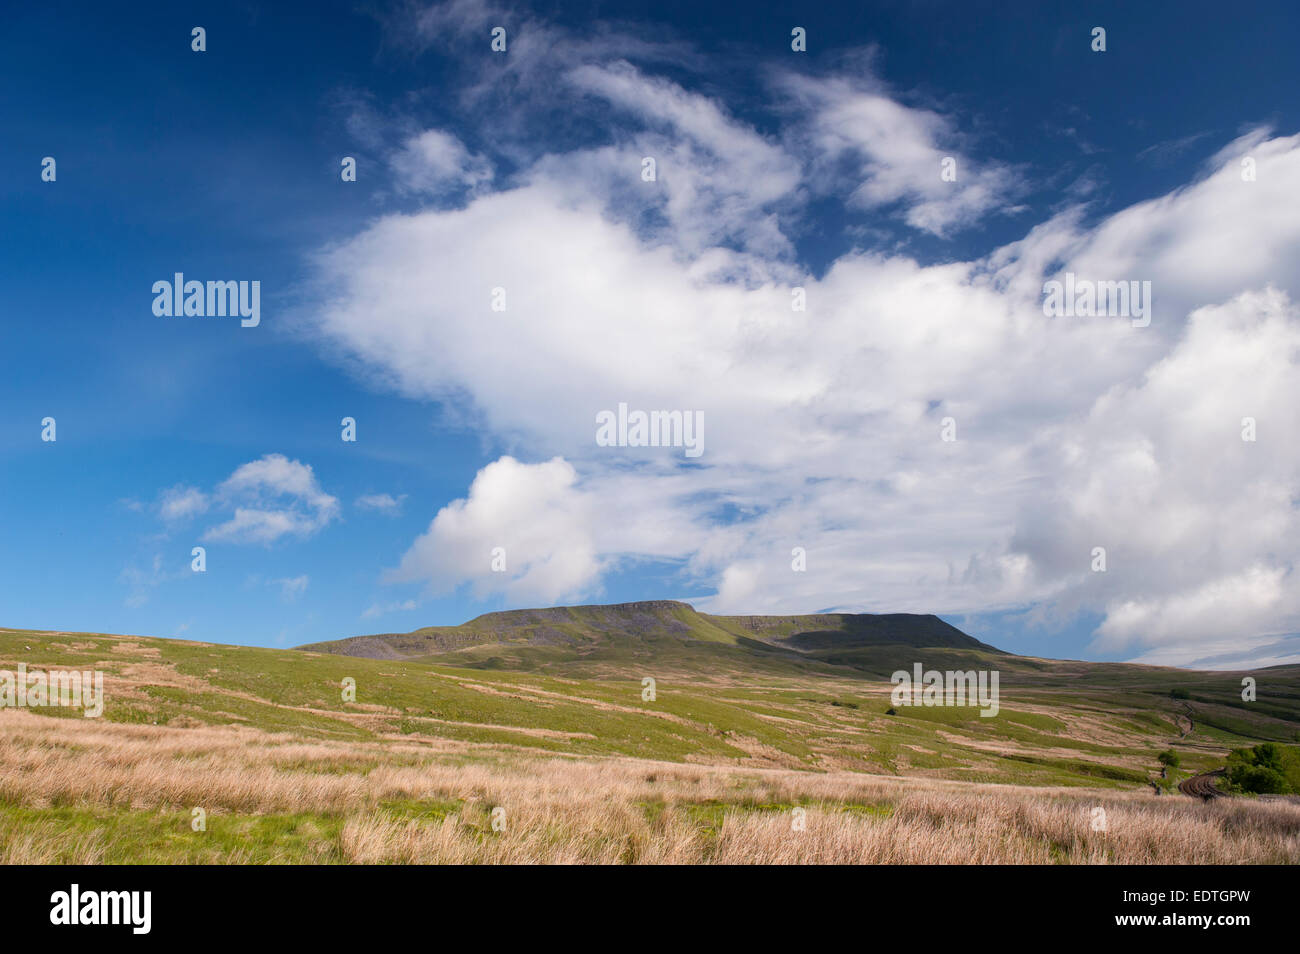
(88,791)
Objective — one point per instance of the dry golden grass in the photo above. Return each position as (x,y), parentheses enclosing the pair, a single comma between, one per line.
(597,810)
(925,828)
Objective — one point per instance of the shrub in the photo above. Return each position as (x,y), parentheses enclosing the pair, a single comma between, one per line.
(1262,781)
(1261,770)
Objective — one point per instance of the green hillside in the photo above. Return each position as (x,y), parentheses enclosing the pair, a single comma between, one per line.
(748,717)
(594,640)
(780,692)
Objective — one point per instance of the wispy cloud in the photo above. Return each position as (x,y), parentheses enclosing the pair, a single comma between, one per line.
(884,153)
(383,609)
(437,163)
(1163,153)
(381,503)
(181,503)
(291,587)
(141,582)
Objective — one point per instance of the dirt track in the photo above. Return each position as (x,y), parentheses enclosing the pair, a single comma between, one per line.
(1202,786)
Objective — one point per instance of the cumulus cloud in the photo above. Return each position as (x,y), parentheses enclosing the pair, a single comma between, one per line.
(272,498)
(1199,524)
(528,520)
(823,426)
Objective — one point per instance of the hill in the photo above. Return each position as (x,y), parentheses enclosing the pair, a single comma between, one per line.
(750,717)
(590,640)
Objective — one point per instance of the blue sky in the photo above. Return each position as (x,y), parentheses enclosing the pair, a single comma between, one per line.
(777,169)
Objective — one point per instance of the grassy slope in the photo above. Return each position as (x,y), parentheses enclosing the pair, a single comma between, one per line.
(1061,723)
(730,699)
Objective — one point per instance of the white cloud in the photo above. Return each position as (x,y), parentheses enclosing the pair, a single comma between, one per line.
(436,163)
(181,503)
(896,153)
(291,587)
(823,426)
(1200,526)
(533,512)
(716,179)
(381,503)
(383,609)
(272,497)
